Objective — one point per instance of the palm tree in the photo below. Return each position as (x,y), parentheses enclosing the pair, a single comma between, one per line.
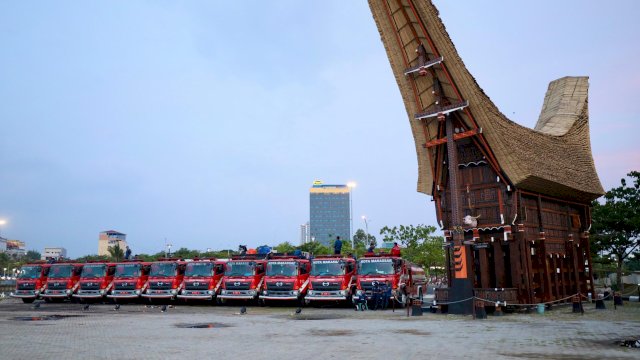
(116,252)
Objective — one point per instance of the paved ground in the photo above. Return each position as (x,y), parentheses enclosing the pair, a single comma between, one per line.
(136,332)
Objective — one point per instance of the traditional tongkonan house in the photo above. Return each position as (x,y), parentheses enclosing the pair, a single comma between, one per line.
(514,202)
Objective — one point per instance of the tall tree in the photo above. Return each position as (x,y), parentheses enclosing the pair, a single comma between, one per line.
(116,253)
(616,223)
(285,248)
(32,255)
(315,248)
(361,238)
(420,245)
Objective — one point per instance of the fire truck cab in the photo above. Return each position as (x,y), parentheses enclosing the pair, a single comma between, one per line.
(165,279)
(202,279)
(243,277)
(130,280)
(332,278)
(286,278)
(31,281)
(406,279)
(63,281)
(96,280)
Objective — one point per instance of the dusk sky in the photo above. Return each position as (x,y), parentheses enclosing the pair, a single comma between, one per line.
(205,123)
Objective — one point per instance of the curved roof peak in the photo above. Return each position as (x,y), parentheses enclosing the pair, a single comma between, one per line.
(564,102)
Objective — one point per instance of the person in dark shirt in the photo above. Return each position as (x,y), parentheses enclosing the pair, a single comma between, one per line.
(127,253)
(337,246)
(372,247)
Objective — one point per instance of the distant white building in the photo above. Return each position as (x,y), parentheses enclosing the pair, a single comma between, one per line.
(3,244)
(305,234)
(54,252)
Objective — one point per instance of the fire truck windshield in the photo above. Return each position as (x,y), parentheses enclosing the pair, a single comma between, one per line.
(329,268)
(93,271)
(60,271)
(375,267)
(282,268)
(29,272)
(239,269)
(127,270)
(199,269)
(163,269)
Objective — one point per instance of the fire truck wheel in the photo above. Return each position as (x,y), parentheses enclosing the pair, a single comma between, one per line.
(27,301)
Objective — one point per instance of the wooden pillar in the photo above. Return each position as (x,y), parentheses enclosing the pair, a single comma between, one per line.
(498,261)
(484,268)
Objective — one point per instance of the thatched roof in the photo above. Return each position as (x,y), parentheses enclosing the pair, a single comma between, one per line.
(553,159)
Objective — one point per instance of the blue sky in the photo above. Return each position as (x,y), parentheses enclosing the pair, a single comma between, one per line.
(205,123)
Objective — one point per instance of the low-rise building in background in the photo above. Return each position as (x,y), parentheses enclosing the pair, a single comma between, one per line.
(54,253)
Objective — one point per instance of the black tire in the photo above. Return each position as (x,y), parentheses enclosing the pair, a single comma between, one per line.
(27,301)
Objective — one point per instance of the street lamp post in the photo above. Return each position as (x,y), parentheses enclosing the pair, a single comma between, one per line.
(169,250)
(3,222)
(366,226)
(351,185)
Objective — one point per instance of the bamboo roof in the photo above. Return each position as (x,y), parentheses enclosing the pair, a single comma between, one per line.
(553,159)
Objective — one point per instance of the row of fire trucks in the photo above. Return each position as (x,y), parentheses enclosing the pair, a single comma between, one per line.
(249,277)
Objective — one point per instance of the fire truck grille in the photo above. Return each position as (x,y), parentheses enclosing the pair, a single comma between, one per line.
(27,286)
(57,285)
(125,286)
(237,285)
(90,286)
(366,285)
(160,285)
(196,285)
(280,286)
(326,285)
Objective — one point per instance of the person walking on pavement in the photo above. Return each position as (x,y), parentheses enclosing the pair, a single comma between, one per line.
(337,246)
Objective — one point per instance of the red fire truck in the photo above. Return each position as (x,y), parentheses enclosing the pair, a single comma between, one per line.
(130,280)
(243,278)
(62,282)
(96,280)
(31,281)
(405,278)
(332,278)
(286,278)
(202,279)
(165,279)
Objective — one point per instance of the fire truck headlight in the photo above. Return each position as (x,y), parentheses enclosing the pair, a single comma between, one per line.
(251,292)
(174,292)
(295,292)
(102,292)
(359,292)
(310,292)
(343,292)
(265,292)
(210,292)
(69,292)
(223,292)
(138,292)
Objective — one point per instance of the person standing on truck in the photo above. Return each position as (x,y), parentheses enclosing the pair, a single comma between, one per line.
(127,253)
(371,248)
(395,250)
(337,246)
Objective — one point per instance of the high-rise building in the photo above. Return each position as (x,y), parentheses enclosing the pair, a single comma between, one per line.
(329,213)
(305,235)
(110,238)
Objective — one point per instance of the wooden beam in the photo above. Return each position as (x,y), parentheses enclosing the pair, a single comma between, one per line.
(457,136)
